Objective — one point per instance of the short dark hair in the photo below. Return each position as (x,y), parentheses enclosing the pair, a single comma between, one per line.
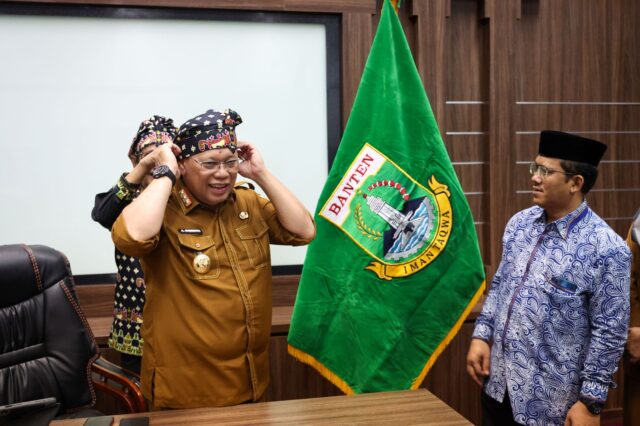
(587,171)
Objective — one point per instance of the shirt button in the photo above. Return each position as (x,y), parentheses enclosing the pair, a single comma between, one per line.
(198,245)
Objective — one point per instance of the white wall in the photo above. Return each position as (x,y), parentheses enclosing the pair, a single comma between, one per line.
(73,91)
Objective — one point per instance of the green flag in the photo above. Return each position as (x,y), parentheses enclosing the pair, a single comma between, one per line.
(395,267)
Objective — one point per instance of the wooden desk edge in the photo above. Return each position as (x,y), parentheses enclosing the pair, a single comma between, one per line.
(305,410)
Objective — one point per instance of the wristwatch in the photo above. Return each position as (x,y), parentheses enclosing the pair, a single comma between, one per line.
(594,407)
(162,171)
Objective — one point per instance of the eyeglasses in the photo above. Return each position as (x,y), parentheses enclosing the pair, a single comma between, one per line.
(543,172)
(215,165)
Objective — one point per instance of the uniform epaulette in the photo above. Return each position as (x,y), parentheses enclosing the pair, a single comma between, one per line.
(243,184)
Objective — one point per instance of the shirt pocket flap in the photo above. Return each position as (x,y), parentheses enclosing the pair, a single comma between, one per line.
(196,242)
(247,232)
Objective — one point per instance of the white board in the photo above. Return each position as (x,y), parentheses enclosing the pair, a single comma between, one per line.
(73,91)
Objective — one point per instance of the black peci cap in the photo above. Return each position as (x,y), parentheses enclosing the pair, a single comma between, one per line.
(567,146)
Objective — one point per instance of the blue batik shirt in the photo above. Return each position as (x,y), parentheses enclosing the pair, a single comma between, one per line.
(557,313)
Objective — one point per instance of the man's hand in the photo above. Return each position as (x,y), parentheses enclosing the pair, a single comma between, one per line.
(155,158)
(579,415)
(253,165)
(633,344)
(165,154)
(478,360)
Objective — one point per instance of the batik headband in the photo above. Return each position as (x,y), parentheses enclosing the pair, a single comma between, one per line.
(156,131)
(210,130)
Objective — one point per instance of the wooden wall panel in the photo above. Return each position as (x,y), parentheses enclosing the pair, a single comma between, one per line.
(291,379)
(466,117)
(578,116)
(467,48)
(500,125)
(357,36)
(574,73)
(470,176)
(457,87)
(578,50)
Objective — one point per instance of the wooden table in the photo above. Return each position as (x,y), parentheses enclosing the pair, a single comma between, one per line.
(418,407)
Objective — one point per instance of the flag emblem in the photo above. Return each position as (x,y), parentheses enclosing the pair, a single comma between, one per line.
(400,223)
(395,267)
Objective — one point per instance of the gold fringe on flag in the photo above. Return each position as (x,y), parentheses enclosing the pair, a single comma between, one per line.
(328,374)
(452,333)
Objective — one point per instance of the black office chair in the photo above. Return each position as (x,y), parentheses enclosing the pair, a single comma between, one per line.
(47,349)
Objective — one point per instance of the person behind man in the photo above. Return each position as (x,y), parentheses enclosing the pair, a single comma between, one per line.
(125,336)
(631,407)
(554,323)
(204,245)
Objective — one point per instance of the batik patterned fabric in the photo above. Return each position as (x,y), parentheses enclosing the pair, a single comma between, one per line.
(209,130)
(556,314)
(156,130)
(128,305)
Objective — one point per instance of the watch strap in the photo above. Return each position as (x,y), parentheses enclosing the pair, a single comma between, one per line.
(162,171)
(594,407)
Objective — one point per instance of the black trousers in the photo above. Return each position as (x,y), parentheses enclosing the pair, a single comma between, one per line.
(496,413)
(131,362)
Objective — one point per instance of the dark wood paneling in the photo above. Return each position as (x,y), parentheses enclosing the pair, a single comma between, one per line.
(357,36)
(477,205)
(579,117)
(465,115)
(285,288)
(430,51)
(96,300)
(467,53)
(482,231)
(466,148)
(291,379)
(470,176)
(578,50)
(500,124)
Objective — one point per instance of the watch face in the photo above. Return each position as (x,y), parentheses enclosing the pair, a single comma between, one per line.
(160,171)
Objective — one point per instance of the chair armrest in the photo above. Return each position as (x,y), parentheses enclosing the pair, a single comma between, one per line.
(122,384)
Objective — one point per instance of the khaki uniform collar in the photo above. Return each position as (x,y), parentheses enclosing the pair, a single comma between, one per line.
(188,202)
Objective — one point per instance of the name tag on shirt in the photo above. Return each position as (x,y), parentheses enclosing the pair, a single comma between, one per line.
(190,231)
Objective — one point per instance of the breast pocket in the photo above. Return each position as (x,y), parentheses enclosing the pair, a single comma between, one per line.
(255,241)
(565,297)
(196,251)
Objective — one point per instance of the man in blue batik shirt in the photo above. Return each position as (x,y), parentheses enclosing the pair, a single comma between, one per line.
(554,324)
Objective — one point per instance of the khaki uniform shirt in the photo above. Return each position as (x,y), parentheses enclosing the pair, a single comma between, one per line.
(207,334)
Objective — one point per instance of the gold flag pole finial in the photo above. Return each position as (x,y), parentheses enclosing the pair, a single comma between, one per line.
(396,4)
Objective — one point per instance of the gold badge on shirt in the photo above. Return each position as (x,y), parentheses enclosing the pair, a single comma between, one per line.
(201,263)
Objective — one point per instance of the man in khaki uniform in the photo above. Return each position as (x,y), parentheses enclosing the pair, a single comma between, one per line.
(203,243)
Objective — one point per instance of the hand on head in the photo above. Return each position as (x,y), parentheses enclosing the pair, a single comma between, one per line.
(253,164)
(164,154)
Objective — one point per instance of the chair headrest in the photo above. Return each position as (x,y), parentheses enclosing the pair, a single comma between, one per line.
(27,270)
